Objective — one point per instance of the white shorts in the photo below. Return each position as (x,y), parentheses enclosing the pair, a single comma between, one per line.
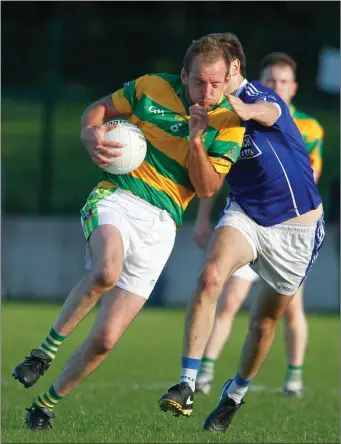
(148,236)
(246,273)
(282,254)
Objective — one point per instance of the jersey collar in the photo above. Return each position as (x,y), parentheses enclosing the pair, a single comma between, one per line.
(180,91)
(241,87)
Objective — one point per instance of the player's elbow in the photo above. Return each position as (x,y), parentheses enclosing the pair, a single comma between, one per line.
(269,121)
(208,191)
(205,193)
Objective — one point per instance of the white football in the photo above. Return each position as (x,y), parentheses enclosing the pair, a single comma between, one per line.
(134,151)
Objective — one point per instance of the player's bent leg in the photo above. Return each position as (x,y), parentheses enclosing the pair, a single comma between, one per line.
(227,251)
(200,315)
(107,252)
(148,236)
(267,309)
(118,309)
(296,338)
(234,294)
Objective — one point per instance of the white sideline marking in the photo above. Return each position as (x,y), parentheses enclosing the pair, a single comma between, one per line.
(160,386)
(264,389)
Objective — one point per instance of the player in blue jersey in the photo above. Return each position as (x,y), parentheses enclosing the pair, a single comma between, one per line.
(277,71)
(274,221)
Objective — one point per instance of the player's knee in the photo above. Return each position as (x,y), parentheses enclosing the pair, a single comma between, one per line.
(261,328)
(230,307)
(289,317)
(105,278)
(225,317)
(210,282)
(227,312)
(103,342)
(293,315)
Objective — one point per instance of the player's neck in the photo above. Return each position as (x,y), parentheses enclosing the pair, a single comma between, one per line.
(234,84)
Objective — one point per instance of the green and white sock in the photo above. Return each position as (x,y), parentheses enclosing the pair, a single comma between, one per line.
(294,372)
(52,343)
(207,367)
(48,399)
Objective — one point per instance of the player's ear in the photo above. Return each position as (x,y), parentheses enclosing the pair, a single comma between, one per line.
(295,88)
(235,67)
(183,76)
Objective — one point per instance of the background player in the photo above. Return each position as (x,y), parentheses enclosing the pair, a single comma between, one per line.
(277,71)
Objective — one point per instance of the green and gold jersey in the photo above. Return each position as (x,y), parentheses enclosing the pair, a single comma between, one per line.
(312,134)
(157,105)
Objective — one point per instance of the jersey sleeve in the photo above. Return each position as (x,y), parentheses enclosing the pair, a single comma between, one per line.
(224,150)
(256,93)
(126,98)
(313,140)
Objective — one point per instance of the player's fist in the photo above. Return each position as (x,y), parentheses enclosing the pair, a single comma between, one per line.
(240,108)
(198,121)
(99,149)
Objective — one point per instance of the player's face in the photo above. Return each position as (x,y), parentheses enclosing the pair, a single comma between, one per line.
(204,83)
(282,80)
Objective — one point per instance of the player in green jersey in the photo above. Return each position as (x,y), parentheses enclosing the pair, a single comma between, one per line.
(130,220)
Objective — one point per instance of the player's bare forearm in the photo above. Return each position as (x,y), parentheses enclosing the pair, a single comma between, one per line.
(99,112)
(206,205)
(203,176)
(317,175)
(264,113)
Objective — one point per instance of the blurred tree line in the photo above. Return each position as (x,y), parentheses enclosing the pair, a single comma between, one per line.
(102,44)
(55,54)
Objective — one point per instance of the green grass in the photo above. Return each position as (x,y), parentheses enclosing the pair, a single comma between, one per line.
(74,175)
(118,403)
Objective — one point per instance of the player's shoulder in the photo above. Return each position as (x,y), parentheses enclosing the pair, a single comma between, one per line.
(254,91)
(301,115)
(307,122)
(255,87)
(224,117)
(158,79)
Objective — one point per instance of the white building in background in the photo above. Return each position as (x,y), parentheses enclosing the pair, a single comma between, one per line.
(328,75)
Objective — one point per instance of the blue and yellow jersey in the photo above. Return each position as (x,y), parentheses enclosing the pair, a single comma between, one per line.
(156,103)
(312,134)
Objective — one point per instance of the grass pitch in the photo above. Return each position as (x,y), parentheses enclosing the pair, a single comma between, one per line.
(118,403)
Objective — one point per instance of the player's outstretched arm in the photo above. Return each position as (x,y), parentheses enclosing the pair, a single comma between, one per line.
(264,113)
(315,151)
